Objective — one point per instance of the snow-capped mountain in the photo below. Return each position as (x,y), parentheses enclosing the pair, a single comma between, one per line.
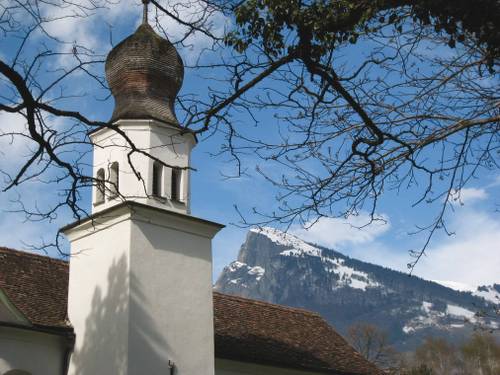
(488,292)
(281,268)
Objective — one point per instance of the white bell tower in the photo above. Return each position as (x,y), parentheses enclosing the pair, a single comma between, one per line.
(140,285)
(148,163)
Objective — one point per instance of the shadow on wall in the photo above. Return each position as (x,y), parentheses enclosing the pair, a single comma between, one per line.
(105,349)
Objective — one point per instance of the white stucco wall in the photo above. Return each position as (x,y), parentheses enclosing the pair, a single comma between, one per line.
(35,352)
(171,310)
(154,138)
(98,295)
(140,293)
(227,367)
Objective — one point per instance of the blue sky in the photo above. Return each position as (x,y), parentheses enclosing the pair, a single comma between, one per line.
(472,256)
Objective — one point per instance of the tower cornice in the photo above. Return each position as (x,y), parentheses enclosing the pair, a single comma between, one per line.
(152,124)
(141,212)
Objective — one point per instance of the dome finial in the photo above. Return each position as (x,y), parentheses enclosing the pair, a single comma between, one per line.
(145,74)
(145,12)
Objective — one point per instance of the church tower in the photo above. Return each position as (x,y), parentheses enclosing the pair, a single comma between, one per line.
(148,161)
(140,288)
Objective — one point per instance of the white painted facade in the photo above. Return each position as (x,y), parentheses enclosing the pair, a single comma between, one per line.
(140,286)
(154,141)
(140,293)
(23,351)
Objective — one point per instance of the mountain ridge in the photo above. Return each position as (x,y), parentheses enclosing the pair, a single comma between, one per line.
(281,268)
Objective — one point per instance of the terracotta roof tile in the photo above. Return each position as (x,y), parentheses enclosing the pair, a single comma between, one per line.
(260,332)
(245,330)
(37,285)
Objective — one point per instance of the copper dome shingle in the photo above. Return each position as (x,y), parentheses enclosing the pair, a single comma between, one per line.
(145,73)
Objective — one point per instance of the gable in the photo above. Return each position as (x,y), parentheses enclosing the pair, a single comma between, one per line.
(10,313)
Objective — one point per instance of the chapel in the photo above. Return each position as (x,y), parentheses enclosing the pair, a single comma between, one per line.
(136,295)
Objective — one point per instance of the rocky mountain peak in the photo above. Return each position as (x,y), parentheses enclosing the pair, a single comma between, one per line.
(281,268)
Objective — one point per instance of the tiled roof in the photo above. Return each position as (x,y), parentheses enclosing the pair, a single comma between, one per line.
(37,285)
(260,332)
(245,330)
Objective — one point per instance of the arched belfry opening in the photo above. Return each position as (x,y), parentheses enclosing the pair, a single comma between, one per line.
(100,187)
(157,180)
(176,184)
(114,179)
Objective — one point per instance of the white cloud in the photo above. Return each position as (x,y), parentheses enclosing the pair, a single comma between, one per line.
(11,123)
(191,11)
(85,24)
(471,256)
(74,24)
(15,150)
(15,145)
(333,232)
(226,246)
(80,22)
(496,182)
(468,195)
(19,233)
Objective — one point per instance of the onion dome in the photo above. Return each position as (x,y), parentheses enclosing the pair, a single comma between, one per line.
(145,73)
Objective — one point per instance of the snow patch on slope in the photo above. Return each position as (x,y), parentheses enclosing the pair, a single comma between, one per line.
(461,287)
(421,322)
(257,271)
(460,312)
(428,317)
(234,266)
(239,269)
(298,246)
(490,293)
(487,292)
(348,276)
(408,329)
(427,306)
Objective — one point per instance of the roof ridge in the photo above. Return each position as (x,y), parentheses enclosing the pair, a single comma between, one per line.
(23,253)
(269,304)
